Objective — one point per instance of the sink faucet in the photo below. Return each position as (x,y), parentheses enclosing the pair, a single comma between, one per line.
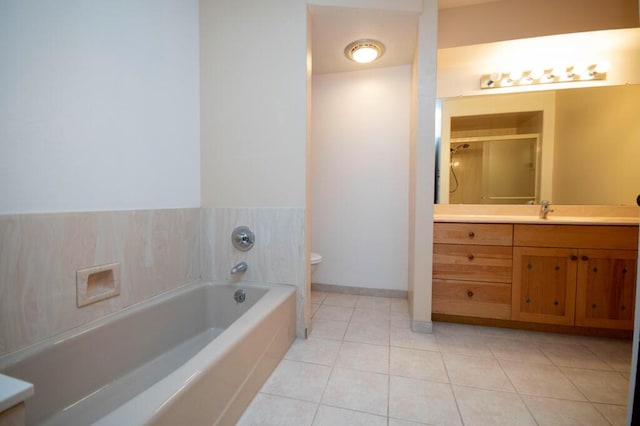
(545,209)
(240,267)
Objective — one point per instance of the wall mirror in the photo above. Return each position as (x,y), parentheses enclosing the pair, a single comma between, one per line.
(568,144)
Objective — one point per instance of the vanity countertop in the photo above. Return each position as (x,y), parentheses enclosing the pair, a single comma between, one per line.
(528,214)
(13,391)
(550,220)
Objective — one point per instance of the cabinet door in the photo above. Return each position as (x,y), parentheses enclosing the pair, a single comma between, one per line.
(606,288)
(544,285)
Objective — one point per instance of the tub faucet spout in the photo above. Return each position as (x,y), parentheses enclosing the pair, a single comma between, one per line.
(545,209)
(240,267)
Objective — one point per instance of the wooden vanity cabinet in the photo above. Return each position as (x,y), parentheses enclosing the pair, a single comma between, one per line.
(579,275)
(472,269)
(606,288)
(544,284)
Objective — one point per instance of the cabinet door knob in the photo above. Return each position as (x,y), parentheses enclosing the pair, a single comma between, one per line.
(470,293)
(472,234)
(585,258)
(470,256)
(574,257)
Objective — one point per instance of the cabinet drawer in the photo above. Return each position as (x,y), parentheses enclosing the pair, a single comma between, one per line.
(494,234)
(577,236)
(472,298)
(472,262)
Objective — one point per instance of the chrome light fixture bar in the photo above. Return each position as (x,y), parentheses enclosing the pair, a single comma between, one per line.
(515,78)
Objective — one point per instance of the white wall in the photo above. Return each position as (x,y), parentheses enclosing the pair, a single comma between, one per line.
(254,65)
(360,177)
(99,105)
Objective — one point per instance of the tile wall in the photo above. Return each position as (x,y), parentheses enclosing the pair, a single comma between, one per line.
(158,250)
(278,255)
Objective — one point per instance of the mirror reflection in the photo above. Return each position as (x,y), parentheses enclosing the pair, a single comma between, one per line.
(571,146)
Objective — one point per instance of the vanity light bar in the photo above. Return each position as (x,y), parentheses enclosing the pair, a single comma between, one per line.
(515,78)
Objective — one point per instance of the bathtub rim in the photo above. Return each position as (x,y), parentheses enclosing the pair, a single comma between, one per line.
(152,401)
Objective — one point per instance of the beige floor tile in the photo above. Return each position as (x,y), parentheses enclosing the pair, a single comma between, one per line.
(548,411)
(616,353)
(471,345)
(313,350)
(364,357)
(328,329)
(616,414)
(406,338)
(398,422)
(453,329)
(506,333)
(332,416)
(540,380)
(374,303)
(336,313)
(358,390)
(399,305)
(608,387)
(314,308)
(269,410)
(478,372)
(422,401)
(417,364)
(400,320)
(340,299)
(577,356)
(491,408)
(298,380)
(376,334)
(318,296)
(370,316)
(517,350)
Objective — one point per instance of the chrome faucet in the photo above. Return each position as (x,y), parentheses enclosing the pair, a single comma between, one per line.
(240,267)
(545,209)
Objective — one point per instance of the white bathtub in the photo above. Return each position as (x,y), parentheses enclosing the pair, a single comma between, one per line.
(191,356)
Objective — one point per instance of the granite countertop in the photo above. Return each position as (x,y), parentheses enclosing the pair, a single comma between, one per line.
(13,391)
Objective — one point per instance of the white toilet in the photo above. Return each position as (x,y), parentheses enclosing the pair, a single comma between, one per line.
(315,259)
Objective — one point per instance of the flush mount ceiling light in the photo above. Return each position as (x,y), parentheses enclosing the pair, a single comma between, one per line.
(364,51)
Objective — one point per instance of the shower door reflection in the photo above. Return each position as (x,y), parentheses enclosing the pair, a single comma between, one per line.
(494,170)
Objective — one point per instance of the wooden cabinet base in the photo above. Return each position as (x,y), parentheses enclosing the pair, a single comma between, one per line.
(522,325)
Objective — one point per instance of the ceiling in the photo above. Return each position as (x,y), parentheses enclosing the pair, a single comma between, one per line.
(333,28)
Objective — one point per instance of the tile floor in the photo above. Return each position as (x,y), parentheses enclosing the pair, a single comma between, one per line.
(362,365)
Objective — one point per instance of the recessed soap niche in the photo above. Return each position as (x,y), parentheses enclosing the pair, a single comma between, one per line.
(97,283)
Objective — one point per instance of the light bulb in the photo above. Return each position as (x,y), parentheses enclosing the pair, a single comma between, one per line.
(365,54)
(579,70)
(536,74)
(515,75)
(602,67)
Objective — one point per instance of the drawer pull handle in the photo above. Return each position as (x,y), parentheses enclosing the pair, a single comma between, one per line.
(470,256)
(472,234)
(555,303)
(470,293)
(585,258)
(574,257)
(593,306)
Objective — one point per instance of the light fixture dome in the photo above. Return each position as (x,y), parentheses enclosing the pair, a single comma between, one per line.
(364,51)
